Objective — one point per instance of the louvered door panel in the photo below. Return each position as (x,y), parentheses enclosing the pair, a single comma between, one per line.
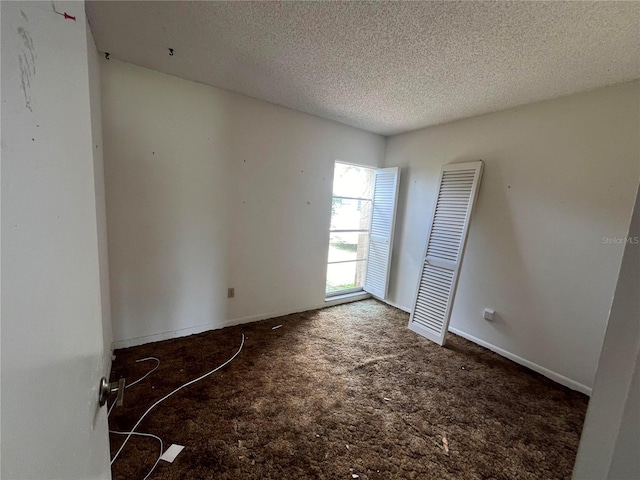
(444,250)
(451,209)
(383,213)
(431,305)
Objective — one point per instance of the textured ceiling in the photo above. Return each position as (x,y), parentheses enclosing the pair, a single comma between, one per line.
(385,67)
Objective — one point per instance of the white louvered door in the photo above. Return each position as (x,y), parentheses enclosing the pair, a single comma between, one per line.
(457,191)
(383,215)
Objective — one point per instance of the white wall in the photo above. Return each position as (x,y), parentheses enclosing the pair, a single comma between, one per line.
(610,440)
(208,190)
(101,213)
(559,176)
(52,345)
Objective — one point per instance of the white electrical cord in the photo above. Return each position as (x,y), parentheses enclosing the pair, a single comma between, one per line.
(132,432)
(146,435)
(148,373)
(140,379)
(140,434)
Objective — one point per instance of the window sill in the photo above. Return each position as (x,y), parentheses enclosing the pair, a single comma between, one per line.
(346,298)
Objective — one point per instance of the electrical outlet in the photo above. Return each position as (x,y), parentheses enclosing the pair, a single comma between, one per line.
(488,314)
(231,292)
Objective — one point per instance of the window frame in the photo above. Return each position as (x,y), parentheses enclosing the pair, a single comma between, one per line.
(347,291)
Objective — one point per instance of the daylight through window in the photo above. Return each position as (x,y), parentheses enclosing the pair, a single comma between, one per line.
(350,228)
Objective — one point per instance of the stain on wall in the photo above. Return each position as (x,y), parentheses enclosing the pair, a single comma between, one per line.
(27,62)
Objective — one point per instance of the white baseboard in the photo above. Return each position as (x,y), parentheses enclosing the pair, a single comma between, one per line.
(556,377)
(183,332)
(158,337)
(395,305)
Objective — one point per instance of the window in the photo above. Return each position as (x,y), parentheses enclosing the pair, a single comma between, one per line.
(350,228)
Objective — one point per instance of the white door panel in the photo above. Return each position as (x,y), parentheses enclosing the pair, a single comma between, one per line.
(457,192)
(52,344)
(383,215)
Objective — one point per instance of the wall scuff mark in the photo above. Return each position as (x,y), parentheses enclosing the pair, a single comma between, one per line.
(27,63)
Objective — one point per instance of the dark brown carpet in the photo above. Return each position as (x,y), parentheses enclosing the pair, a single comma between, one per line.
(343,391)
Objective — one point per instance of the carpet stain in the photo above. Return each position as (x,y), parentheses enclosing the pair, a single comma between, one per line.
(338,392)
